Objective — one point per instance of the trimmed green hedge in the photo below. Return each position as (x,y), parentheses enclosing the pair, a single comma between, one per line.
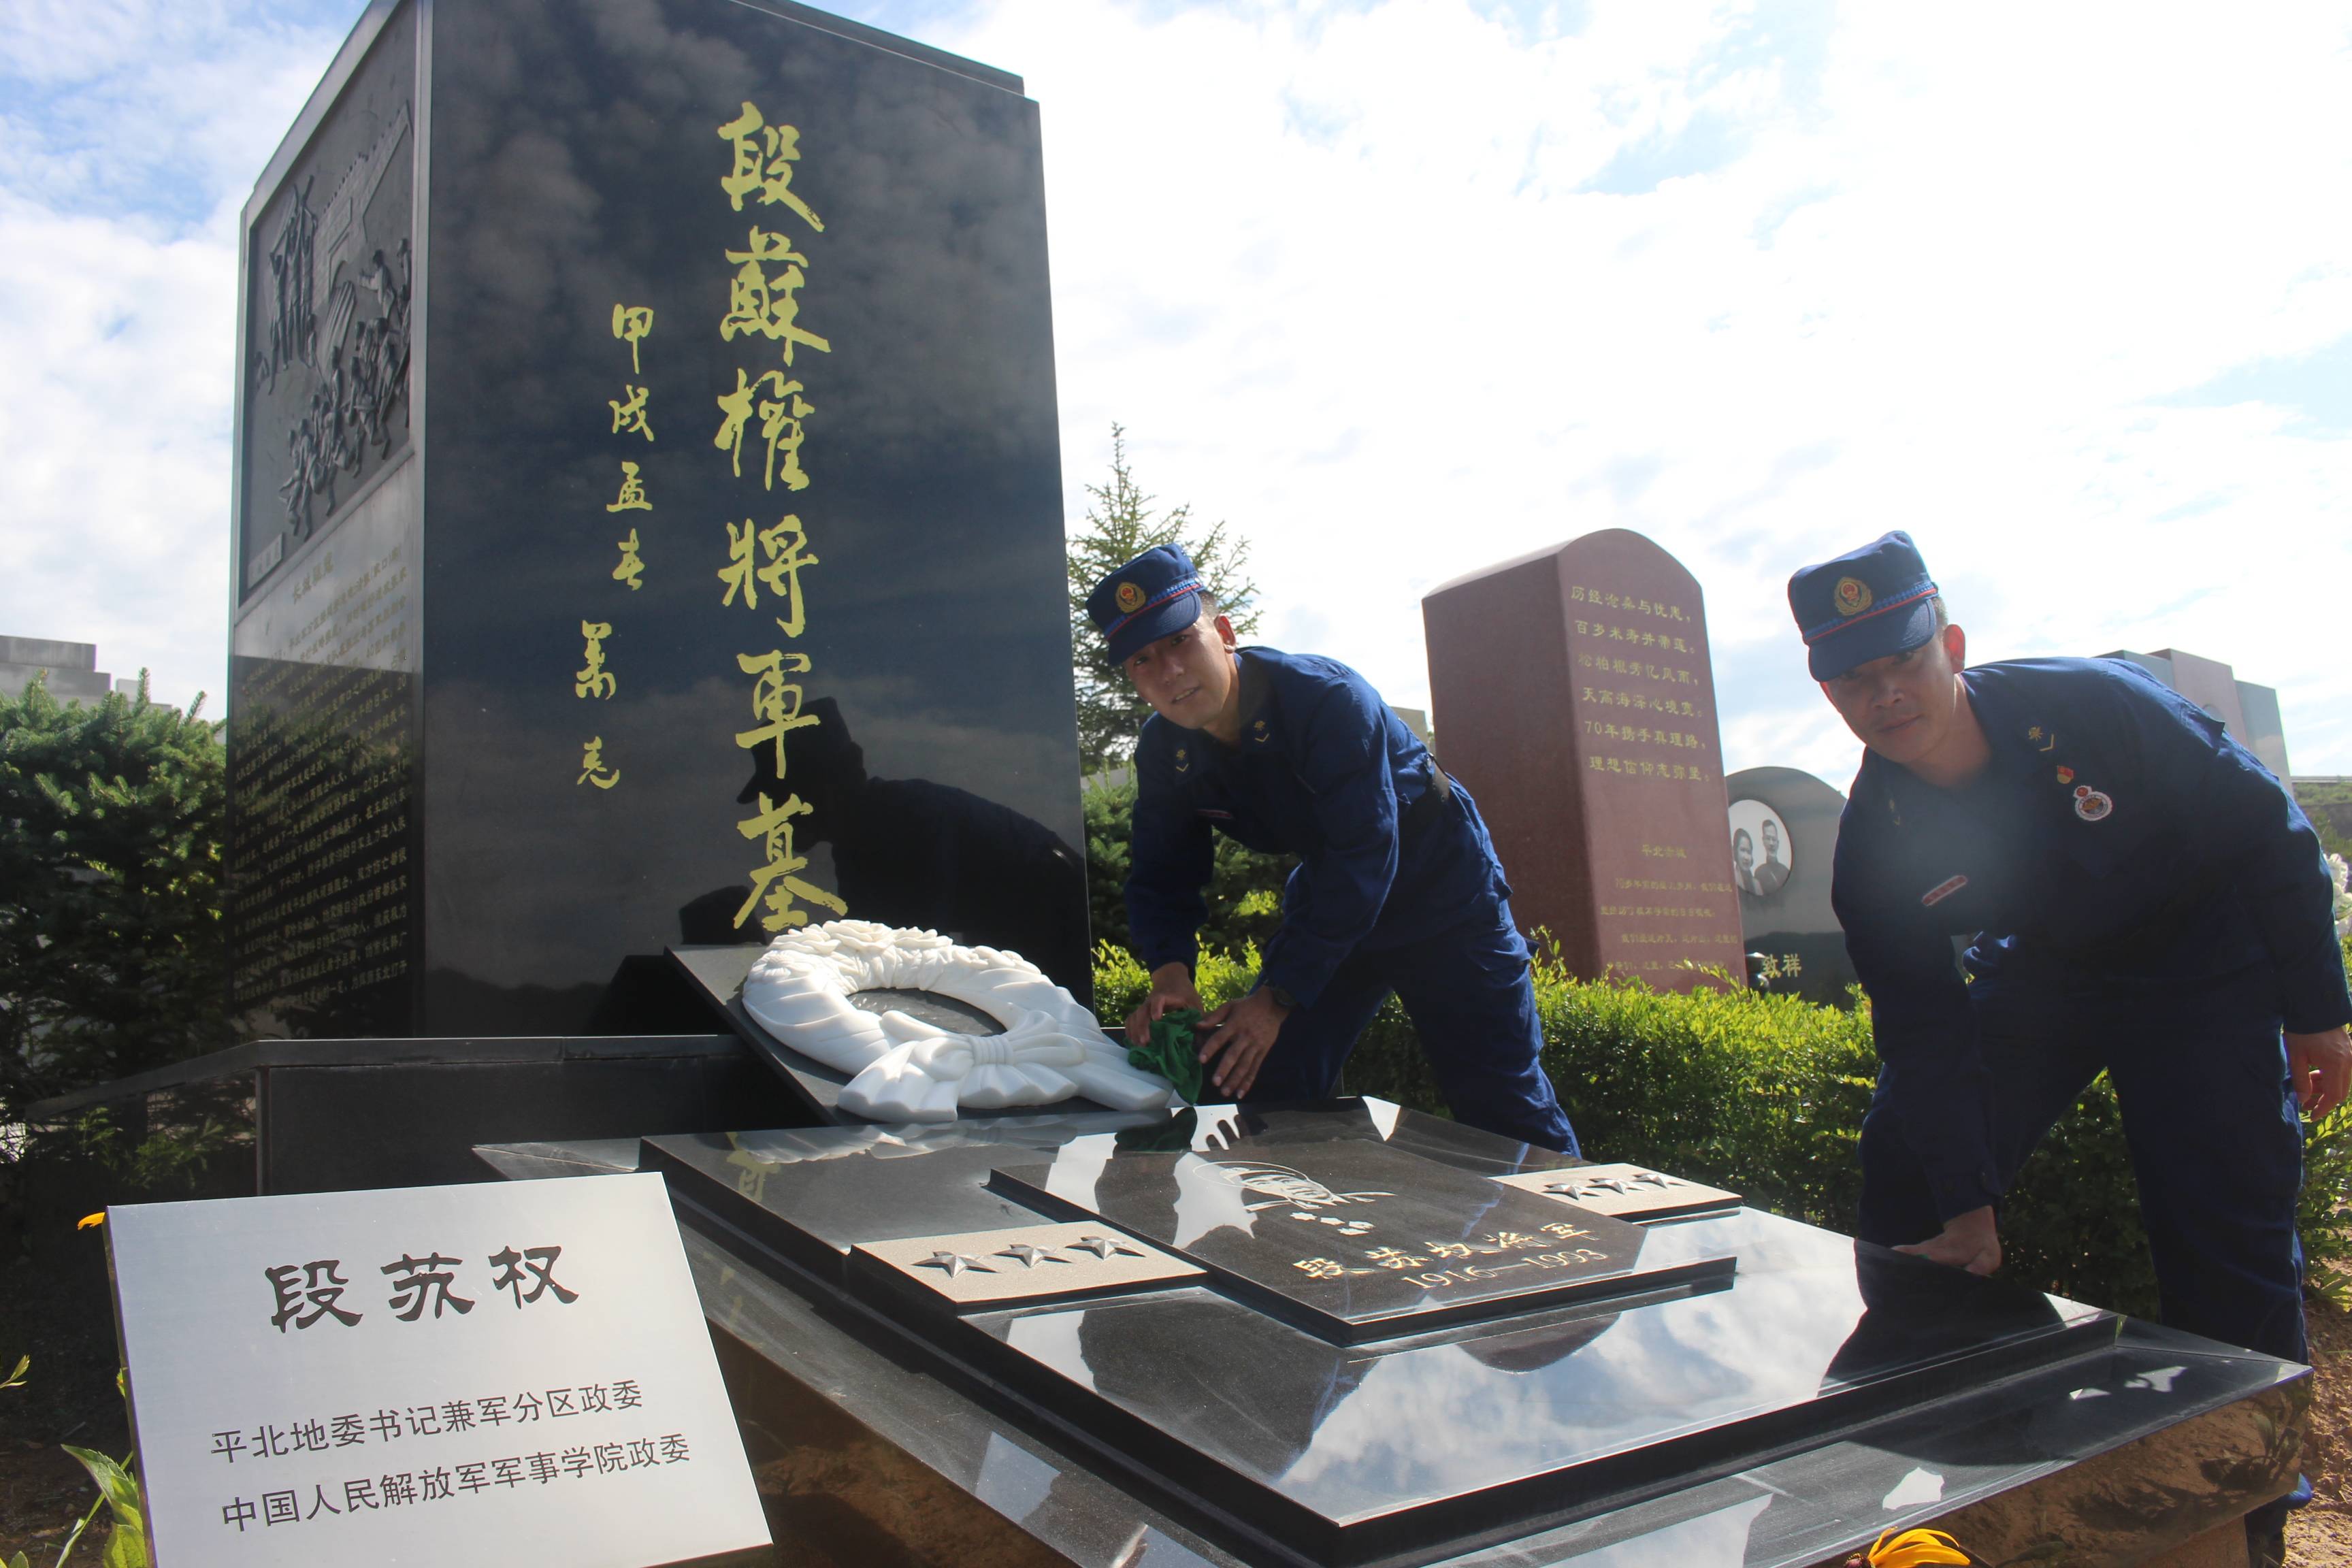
(1765,1095)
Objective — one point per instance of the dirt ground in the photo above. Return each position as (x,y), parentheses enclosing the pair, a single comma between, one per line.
(2321,1535)
(42,1492)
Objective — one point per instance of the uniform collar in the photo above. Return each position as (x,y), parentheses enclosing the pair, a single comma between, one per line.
(2021,742)
(1261,716)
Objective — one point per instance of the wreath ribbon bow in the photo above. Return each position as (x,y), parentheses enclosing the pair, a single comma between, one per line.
(932,1070)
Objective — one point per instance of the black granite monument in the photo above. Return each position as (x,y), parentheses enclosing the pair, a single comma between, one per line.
(647,513)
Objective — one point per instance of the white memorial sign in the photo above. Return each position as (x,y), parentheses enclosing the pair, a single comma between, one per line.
(512,1372)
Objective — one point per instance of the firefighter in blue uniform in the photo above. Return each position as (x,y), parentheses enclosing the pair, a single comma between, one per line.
(1398,888)
(2140,896)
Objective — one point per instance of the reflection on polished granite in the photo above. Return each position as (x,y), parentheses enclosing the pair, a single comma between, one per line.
(1354,1240)
(1564,1425)
(1834,1392)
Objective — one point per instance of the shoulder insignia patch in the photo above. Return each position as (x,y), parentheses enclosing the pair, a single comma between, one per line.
(1183,760)
(1942,890)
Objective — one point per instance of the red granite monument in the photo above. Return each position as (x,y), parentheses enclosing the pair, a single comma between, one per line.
(1574,695)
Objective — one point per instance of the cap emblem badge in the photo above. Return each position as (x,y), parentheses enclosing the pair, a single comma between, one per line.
(1852,596)
(2090,805)
(1129,598)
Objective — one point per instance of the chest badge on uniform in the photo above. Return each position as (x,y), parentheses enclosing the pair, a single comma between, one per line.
(2090,804)
(1183,760)
(1942,890)
(1258,730)
(2049,740)
(2065,774)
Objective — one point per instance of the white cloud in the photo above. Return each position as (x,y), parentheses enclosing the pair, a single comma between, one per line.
(134,133)
(1403,287)
(1356,279)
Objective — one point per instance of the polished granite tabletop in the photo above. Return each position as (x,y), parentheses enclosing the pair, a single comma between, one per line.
(1580,1431)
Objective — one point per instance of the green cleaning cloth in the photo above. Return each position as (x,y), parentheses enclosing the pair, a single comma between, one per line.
(1170,1052)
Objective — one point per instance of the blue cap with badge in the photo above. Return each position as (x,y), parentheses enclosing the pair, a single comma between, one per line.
(1154,595)
(1864,605)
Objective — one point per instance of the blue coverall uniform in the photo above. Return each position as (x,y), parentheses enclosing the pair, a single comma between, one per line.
(2142,896)
(1398,890)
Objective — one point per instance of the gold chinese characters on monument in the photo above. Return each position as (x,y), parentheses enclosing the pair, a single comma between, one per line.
(764,561)
(761,561)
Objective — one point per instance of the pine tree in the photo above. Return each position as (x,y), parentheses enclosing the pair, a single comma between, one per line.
(112,955)
(1121,525)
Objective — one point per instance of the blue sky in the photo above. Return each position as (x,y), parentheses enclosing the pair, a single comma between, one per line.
(1403,287)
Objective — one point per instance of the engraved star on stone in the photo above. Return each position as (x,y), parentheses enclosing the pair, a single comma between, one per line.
(1103,1246)
(953,1263)
(1652,1179)
(1029,1257)
(1585,1189)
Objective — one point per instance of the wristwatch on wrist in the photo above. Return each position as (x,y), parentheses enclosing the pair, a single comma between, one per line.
(1282,998)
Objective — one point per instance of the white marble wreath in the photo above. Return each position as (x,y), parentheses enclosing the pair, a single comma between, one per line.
(904,1069)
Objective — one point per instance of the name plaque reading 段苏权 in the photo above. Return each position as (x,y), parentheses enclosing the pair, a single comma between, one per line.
(1354,1240)
(467,1374)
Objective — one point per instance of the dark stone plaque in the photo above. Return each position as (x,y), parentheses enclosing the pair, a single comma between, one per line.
(1790,820)
(322,838)
(1574,695)
(705,394)
(1354,1240)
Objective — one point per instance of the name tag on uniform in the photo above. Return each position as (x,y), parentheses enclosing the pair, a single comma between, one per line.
(1942,890)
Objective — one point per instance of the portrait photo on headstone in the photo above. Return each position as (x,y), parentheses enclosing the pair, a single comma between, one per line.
(1762,853)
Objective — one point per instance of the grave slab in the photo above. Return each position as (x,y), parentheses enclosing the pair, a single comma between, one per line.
(1263,1442)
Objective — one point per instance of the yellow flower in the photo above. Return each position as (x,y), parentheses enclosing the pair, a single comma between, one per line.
(89,1220)
(1915,1548)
